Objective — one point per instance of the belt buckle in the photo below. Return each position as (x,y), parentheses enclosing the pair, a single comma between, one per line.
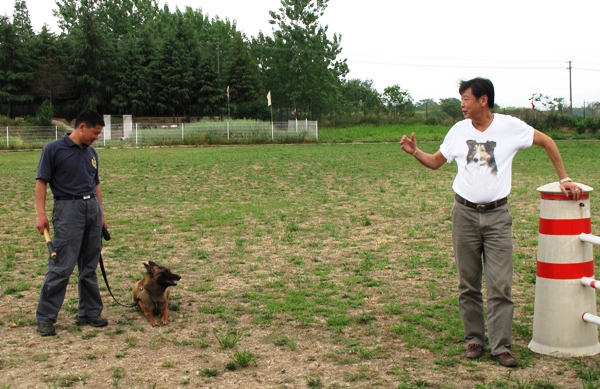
(86,197)
(481,208)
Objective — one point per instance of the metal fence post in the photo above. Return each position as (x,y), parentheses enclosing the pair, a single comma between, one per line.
(7,143)
(181,133)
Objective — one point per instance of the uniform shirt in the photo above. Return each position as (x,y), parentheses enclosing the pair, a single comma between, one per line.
(484,159)
(69,169)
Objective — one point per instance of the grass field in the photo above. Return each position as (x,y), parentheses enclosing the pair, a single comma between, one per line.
(303,266)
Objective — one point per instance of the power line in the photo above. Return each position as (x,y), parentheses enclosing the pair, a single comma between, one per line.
(460,66)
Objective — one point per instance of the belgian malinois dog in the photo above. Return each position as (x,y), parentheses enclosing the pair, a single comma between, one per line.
(152,292)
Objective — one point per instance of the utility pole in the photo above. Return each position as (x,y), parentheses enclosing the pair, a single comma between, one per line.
(570,88)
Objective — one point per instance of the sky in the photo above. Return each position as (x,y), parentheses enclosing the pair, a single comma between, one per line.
(428,46)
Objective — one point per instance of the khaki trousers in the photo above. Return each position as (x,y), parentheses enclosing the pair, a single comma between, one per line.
(483,245)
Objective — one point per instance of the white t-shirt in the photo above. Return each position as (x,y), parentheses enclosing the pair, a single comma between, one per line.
(484,159)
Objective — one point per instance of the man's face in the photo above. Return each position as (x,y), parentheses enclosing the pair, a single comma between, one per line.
(472,106)
(91,134)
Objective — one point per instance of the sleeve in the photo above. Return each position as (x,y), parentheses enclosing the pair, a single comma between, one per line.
(97,175)
(44,170)
(523,133)
(446,148)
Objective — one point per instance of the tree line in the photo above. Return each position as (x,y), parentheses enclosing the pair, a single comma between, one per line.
(132,57)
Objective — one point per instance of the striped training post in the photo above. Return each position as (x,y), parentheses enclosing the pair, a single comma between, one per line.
(563,260)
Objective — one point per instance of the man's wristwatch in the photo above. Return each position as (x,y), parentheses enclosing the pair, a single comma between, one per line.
(566,179)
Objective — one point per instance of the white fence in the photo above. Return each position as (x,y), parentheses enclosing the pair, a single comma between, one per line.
(29,137)
(140,134)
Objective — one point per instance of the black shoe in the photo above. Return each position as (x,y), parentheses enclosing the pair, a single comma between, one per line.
(505,359)
(474,351)
(94,321)
(46,329)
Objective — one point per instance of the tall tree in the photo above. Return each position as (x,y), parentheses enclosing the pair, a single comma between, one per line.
(360,96)
(211,97)
(451,107)
(22,21)
(90,62)
(399,101)
(49,76)
(15,68)
(244,80)
(134,89)
(303,69)
(173,73)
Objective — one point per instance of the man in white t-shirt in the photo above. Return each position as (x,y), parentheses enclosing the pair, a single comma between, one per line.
(483,146)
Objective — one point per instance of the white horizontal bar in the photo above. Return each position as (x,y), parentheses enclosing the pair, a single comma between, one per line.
(588,317)
(589,238)
(592,283)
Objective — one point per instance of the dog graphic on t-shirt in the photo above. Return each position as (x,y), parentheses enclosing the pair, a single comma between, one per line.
(481,163)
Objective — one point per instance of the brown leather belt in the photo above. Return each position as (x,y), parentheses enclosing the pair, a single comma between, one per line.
(482,207)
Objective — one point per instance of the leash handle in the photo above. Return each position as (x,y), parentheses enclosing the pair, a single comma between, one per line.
(51,250)
(105,233)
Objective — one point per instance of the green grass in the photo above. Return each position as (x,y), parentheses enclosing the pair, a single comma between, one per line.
(294,259)
(377,134)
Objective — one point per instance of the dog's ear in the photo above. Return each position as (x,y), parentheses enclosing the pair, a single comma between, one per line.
(149,267)
(471,143)
(490,145)
(152,263)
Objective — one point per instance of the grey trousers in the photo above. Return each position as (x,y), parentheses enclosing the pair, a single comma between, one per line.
(483,243)
(77,241)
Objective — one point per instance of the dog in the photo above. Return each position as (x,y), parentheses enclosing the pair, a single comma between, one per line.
(481,163)
(481,157)
(152,292)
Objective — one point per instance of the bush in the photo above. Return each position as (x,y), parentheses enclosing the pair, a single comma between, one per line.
(44,115)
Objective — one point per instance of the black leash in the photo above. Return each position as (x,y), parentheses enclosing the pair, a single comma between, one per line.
(106,236)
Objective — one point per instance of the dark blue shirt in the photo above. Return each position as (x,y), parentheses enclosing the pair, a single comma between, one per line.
(69,169)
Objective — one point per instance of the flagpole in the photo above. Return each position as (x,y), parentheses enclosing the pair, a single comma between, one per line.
(271,106)
(228,111)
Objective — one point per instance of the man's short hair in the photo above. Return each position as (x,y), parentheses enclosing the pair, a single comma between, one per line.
(479,86)
(90,118)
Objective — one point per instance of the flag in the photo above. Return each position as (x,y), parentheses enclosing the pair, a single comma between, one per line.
(532,105)
(227,91)
(294,112)
(269,99)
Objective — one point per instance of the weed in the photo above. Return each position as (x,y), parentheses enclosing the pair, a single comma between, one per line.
(314,383)
(118,372)
(243,358)
(229,339)
(210,372)
(231,366)
(286,341)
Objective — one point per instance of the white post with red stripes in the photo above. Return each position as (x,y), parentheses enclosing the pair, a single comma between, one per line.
(563,260)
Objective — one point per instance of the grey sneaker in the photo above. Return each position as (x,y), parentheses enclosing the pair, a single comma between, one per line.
(94,321)
(46,329)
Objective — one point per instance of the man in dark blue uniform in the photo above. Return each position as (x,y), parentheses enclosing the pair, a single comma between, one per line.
(70,166)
